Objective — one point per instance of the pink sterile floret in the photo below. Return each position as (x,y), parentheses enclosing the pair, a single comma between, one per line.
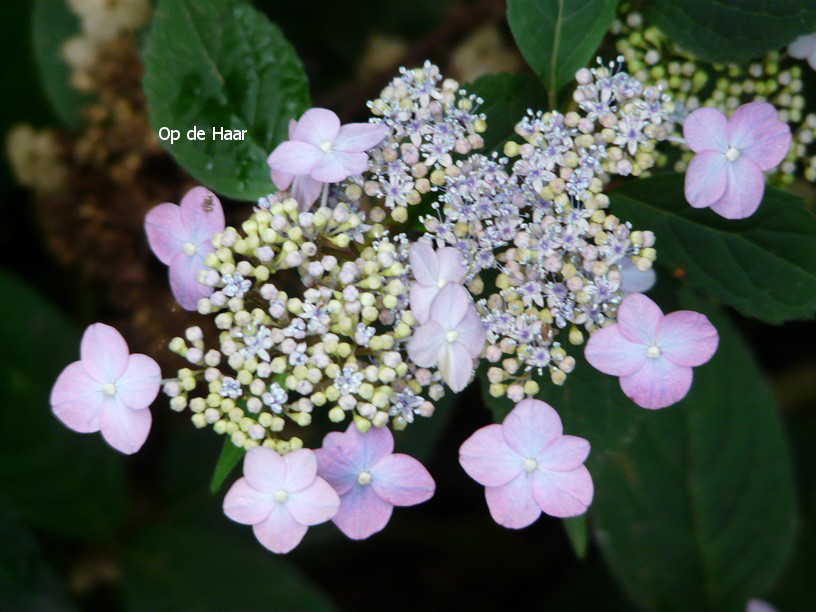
(432,270)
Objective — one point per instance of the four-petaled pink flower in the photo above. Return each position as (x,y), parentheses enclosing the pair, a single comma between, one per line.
(304,188)
(432,271)
(108,390)
(370,479)
(323,150)
(652,353)
(528,466)
(180,236)
(451,338)
(726,174)
(280,497)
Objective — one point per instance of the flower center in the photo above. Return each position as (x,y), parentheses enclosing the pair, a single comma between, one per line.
(326,146)
(451,336)
(109,389)
(440,283)
(364,478)
(653,352)
(189,248)
(530,465)
(280,496)
(732,154)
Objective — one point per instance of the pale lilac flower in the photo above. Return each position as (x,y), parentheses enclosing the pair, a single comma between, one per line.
(108,390)
(652,353)
(281,497)
(432,270)
(804,47)
(304,189)
(726,174)
(452,337)
(370,479)
(324,150)
(181,236)
(528,466)
(634,280)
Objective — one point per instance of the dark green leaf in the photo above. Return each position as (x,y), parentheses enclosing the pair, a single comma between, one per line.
(577,533)
(55,479)
(732,31)
(229,458)
(222,64)
(53,23)
(187,567)
(506,100)
(764,266)
(421,437)
(697,510)
(557,37)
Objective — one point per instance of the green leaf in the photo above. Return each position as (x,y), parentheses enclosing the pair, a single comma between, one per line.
(557,37)
(732,31)
(56,480)
(421,437)
(230,456)
(697,510)
(764,266)
(183,566)
(578,534)
(506,100)
(222,64)
(53,22)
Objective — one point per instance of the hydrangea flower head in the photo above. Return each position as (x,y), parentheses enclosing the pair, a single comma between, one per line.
(181,237)
(108,390)
(451,338)
(325,151)
(432,270)
(804,47)
(528,466)
(281,497)
(731,155)
(370,479)
(652,353)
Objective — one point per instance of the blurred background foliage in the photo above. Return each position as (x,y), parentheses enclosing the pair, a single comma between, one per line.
(84,528)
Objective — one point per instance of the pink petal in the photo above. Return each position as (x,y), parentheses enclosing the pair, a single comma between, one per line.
(706,178)
(456,365)
(280,532)
(564,453)
(687,338)
(635,281)
(139,385)
(335,465)
(104,353)
(659,383)
(246,505)
(377,443)
(77,399)
(316,126)
(294,157)
(301,469)
(265,469)
(530,426)
(512,505)
(306,190)
(487,458)
(471,333)
(563,494)
(802,47)
(638,318)
(165,232)
(292,127)
(706,130)
(201,214)
(329,169)
(183,273)
(756,131)
(362,513)
(450,306)
(124,429)
(608,351)
(354,163)
(746,186)
(401,480)
(360,137)
(450,264)
(315,504)
(421,299)
(281,179)
(426,344)
(424,264)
